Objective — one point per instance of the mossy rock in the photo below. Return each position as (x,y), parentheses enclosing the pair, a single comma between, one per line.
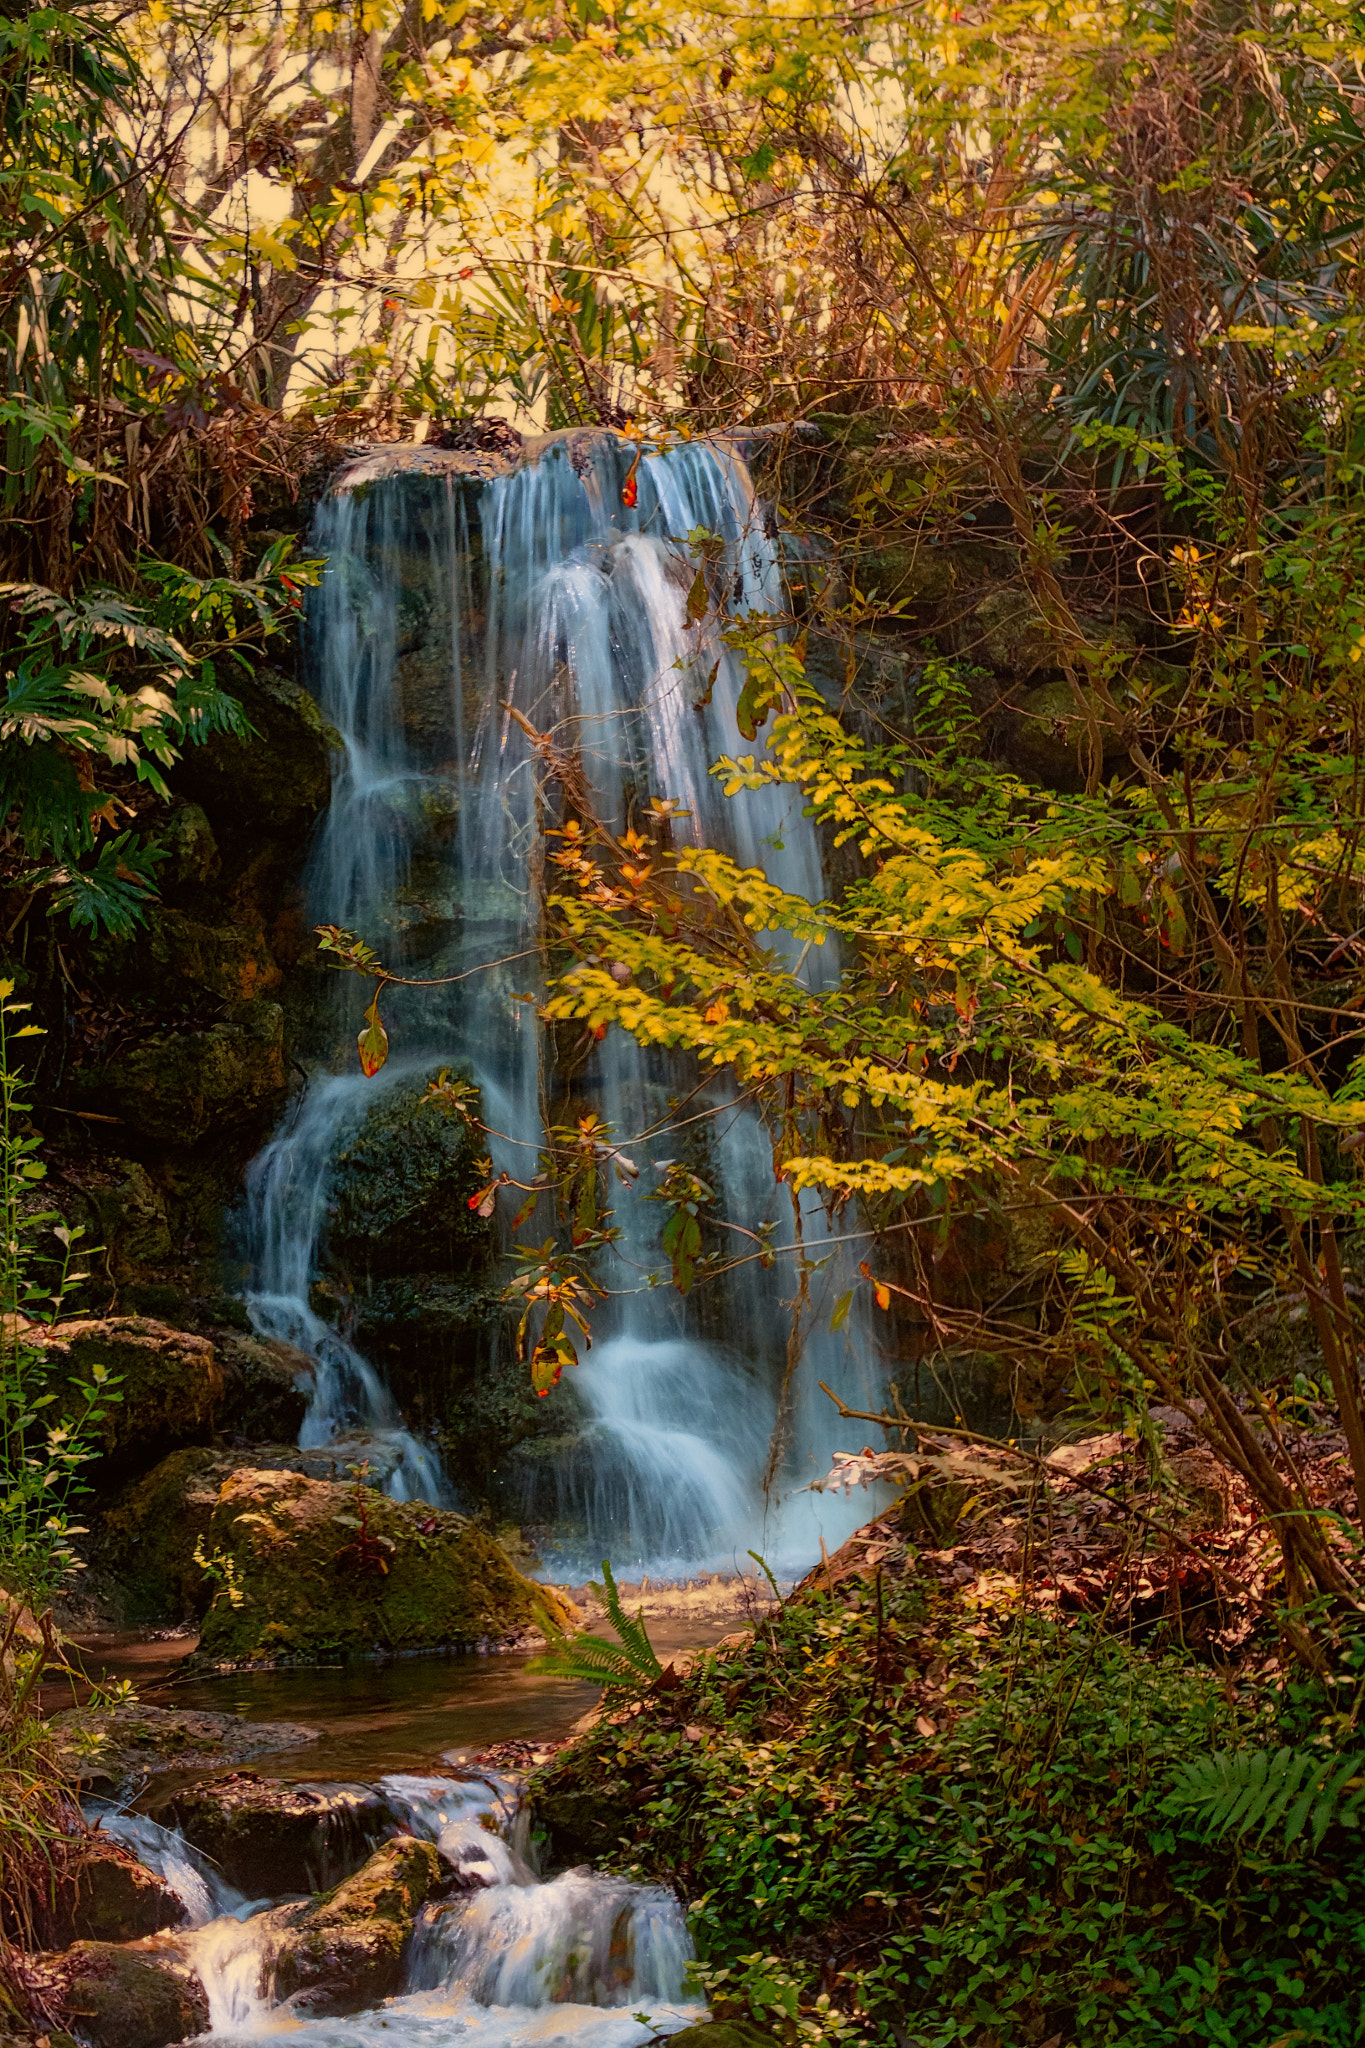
(102,1893)
(280,776)
(169,1383)
(345,1950)
(149,1533)
(722,2034)
(108,1747)
(400,1191)
(311,1583)
(176,1088)
(116,1997)
(268,1838)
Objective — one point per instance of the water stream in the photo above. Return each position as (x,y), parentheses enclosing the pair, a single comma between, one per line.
(504,1959)
(552,597)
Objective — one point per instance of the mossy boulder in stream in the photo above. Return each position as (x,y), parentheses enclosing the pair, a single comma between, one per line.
(345,1949)
(113,1996)
(317,1571)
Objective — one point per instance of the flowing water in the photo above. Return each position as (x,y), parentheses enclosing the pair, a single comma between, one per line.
(445,609)
(506,1960)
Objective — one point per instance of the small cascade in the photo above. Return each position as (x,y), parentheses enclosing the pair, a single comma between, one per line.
(164,1851)
(498,1958)
(574,617)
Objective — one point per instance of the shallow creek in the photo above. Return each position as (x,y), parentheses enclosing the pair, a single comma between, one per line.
(521,1959)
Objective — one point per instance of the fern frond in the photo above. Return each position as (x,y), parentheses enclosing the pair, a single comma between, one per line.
(631,1662)
(1287,1791)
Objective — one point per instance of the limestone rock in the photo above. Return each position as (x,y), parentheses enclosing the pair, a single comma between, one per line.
(176,1088)
(281,775)
(117,1997)
(345,1950)
(325,1570)
(102,1893)
(268,1386)
(149,1533)
(106,1747)
(170,1381)
(267,1837)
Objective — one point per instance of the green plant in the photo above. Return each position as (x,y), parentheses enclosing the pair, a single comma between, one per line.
(1285,1793)
(627,1664)
(49,1426)
(898,1820)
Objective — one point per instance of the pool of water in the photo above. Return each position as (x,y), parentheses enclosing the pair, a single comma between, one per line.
(404,1715)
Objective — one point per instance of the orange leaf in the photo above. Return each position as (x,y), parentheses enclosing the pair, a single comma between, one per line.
(373,1041)
(883,1294)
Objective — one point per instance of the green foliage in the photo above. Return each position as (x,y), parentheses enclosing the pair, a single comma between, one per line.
(625,1665)
(49,1428)
(1287,1792)
(104,690)
(898,1821)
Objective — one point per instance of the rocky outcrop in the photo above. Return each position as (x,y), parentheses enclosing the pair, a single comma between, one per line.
(267,1837)
(279,775)
(268,1384)
(169,1382)
(106,1747)
(174,1088)
(345,1950)
(117,1997)
(321,1570)
(102,1893)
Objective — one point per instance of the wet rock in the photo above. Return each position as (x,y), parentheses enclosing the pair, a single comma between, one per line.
(116,1997)
(345,1950)
(268,1386)
(175,1088)
(324,1570)
(169,1382)
(400,1189)
(108,1747)
(281,776)
(133,1223)
(267,1837)
(104,1894)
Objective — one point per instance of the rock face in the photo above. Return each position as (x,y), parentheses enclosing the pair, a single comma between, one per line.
(117,1997)
(281,774)
(267,1837)
(345,1950)
(105,1747)
(105,1894)
(176,1088)
(323,1570)
(170,1382)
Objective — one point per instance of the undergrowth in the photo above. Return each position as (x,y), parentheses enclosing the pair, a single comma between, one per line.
(899,1822)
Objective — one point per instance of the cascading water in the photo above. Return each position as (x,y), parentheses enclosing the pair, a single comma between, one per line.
(505,1959)
(582,611)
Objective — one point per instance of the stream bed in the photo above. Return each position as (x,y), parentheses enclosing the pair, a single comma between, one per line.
(510,1957)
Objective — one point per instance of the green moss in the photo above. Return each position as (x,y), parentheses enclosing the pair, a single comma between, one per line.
(313,1584)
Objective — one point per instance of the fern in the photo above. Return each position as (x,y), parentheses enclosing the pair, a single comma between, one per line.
(1234,1792)
(630,1662)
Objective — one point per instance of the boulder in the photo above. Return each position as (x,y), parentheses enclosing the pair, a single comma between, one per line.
(326,1570)
(345,1950)
(280,776)
(170,1381)
(106,1747)
(267,1837)
(117,1997)
(230,961)
(176,1087)
(399,1191)
(149,1533)
(102,1893)
(268,1386)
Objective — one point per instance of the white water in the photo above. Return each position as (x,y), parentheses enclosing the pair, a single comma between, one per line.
(671,1413)
(510,1963)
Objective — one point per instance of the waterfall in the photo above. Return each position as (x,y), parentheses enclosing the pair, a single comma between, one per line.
(546,596)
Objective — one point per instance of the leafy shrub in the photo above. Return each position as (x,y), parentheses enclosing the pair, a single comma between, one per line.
(899,1824)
